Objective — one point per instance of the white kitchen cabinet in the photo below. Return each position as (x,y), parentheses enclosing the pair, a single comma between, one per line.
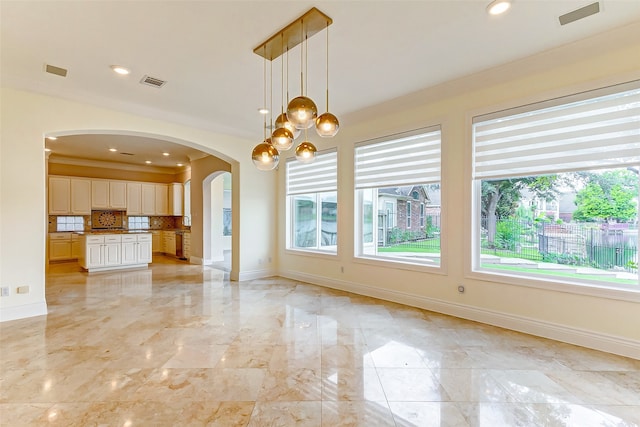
(59,196)
(144,248)
(114,251)
(60,246)
(80,196)
(117,194)
(134,198)
(108,194)
(148,199)
(162,199)
(175,199)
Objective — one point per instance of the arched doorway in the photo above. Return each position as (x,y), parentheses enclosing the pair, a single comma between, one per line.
(216,218)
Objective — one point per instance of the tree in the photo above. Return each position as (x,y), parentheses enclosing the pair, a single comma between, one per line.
(608,196)
(500,198)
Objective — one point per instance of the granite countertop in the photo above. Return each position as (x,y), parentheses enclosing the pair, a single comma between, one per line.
(114,232)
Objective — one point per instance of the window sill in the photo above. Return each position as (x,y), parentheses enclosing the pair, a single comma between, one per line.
(557,284)
(312,253)
(400,264)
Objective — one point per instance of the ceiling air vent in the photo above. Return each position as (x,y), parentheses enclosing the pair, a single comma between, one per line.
(127,154)
(51,69)
(578,14)
(152,81)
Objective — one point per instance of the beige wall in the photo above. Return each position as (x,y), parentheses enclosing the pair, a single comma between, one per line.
(590,320)
(112,173)
(27,117)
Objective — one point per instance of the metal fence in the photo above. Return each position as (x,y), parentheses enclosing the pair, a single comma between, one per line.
(601,246)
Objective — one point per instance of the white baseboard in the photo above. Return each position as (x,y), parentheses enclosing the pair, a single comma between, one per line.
(584,338)
(256,274)
(196,260)
(23,311)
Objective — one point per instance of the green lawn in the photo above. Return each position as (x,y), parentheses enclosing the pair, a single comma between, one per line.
(431,246)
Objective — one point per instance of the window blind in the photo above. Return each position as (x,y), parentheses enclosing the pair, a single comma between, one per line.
(316,177)
(597,131)
(406,159)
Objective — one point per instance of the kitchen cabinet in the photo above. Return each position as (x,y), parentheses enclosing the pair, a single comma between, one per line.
(75,246)
(156,241)
(80,196)
(108,194)
(60,246)
(136,248)
(162,199)
(59,196)
(175,199)
(148,199)
(134,198)
(114,251)
(169,242)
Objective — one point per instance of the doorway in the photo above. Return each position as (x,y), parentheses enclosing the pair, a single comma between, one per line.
(216,203)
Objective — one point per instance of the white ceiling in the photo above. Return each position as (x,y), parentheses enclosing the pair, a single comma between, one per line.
(379,51)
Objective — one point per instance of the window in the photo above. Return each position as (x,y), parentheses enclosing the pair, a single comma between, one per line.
(138,222)
(421,214)
(390,173)
(312,200)
(556,189)
(186,218)
(69,223)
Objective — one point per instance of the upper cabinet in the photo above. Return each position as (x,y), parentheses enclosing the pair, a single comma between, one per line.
(69,196)
(108,194)
(175,199)
(134,198)
(162,199)
(59,196)
(148,199)
(80,196)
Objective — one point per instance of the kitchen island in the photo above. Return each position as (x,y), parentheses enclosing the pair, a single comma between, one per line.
(102,251)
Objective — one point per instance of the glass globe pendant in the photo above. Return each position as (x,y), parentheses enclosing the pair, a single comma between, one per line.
(327,125)
(283,122)
(306,152)
(302,112)
(282,139)
(265,156)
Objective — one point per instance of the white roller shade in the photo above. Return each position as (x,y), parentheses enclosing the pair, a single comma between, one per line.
(316,177)
(597,131)
(403,160)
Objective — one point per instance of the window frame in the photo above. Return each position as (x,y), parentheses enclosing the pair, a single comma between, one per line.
(540,281)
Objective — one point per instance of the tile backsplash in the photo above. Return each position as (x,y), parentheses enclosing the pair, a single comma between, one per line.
(155,222)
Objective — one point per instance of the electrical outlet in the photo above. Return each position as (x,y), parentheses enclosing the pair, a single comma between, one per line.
(461,289)
(341,269)
(4,291)
(22,289)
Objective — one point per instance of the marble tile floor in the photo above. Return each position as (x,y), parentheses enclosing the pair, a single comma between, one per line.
(178,345)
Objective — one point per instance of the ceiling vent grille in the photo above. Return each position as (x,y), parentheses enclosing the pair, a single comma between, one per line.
(578,14)
(52,69)
(152,81)
(127,154)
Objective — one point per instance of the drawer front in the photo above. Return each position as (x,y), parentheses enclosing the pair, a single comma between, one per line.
(95,239)
(60,236)
(144,237)
(131,238)
(112,239)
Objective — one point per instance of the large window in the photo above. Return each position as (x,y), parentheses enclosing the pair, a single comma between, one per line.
(312,201)
(390,174)
(556,189)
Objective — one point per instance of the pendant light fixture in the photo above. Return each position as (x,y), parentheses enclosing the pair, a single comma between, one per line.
(327,125)
(301,112)
(264,155)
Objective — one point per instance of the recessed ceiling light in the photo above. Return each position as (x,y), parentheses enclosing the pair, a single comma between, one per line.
(51,138)
(179,164)
(113,149)
(47,149)
(148,162)
(496,7)
(165,154)
(263,110)
(120,69)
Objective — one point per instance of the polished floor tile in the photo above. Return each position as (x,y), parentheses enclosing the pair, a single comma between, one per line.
(179,345)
